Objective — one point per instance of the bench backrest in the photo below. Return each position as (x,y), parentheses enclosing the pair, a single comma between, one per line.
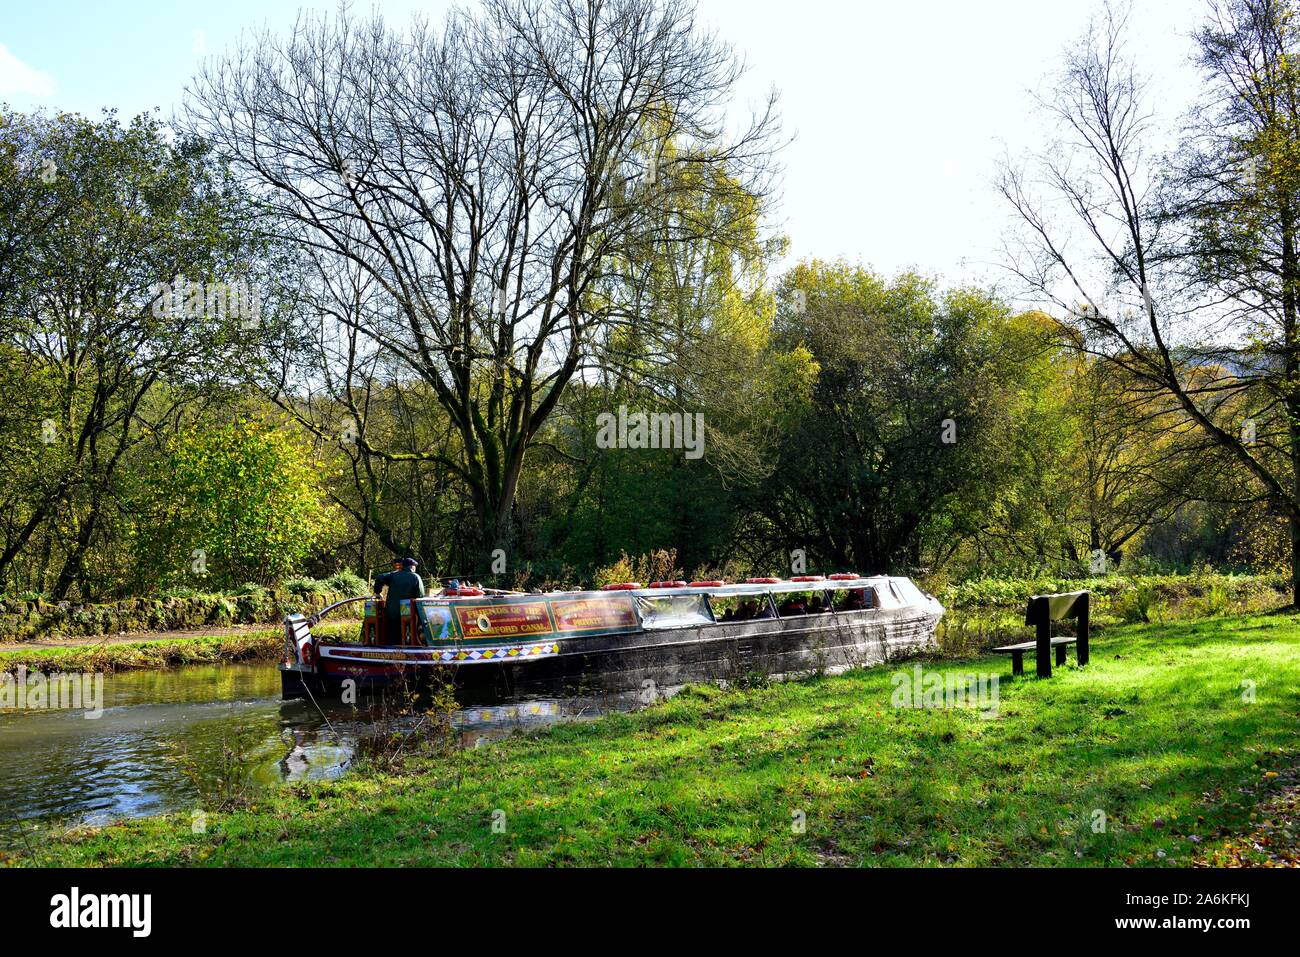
(1049,608)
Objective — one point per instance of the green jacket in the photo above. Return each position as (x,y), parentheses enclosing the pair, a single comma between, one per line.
(401,585)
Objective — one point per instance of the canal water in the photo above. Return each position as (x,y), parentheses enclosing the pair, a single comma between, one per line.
(166,737)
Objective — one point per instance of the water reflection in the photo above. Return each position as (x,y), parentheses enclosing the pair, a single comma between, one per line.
(162,733)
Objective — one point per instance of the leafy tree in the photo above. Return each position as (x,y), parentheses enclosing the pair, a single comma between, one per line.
(123,211)
(906,430)
(698,343)
(244,502)
(1100,462)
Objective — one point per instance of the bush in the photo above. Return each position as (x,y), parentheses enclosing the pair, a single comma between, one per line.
(987,612)
(651,567)
(1114,590)
(182,609)
(347,583)
(303,586)
(1213,602)
(242,502)
(1136,604)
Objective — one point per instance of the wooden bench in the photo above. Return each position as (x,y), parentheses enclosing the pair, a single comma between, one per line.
(1017,652)
(1041,611)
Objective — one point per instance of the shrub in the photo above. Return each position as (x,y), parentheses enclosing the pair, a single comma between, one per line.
(651,567)
(347,583)
(23,621)
(1213,602)
(247,500)
(303,586)
(1136,604)
(1112,589)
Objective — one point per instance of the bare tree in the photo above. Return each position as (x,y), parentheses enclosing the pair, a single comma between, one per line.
(1145,294)
(486,177)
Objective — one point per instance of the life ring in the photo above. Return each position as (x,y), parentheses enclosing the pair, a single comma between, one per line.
(808,578)
(844,576)
(711,583)
(762,581)
(620,586)
(676,584)
(463,592)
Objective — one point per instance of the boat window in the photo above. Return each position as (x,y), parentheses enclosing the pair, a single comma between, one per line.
(856,599)
(740,607)
(727,607)
(797,603)
(672,611)
(437,622)
(819,602)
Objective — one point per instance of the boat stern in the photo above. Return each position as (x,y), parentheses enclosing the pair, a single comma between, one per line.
(297,663)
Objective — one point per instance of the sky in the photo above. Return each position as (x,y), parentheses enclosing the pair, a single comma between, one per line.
(899,111)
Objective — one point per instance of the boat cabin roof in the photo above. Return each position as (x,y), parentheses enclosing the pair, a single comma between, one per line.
(717,591)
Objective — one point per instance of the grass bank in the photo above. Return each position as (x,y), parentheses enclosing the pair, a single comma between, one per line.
(1153,754)
(263,644)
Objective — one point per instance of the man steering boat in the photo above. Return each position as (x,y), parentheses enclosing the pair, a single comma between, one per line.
(402,584)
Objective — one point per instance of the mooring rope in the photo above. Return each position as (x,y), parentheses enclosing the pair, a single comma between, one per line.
(306,686)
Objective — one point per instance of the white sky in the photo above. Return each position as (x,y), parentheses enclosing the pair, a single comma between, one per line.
(900,111)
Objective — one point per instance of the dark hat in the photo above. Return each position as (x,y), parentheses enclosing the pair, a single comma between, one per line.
(409,563)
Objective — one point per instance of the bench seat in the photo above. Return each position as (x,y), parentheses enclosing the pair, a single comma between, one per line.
(1017,652)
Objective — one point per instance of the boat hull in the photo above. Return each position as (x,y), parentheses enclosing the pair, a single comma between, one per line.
(649,661)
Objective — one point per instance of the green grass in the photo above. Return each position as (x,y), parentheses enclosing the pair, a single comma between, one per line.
(1154,733)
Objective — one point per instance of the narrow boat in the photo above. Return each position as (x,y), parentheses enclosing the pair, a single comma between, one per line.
(624,637)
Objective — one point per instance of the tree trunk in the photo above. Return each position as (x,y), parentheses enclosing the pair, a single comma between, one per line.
(1291,345)
(25,533)
(1295,560)
(72,567)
